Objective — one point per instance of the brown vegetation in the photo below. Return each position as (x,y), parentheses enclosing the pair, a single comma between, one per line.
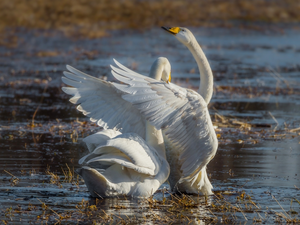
(92,18)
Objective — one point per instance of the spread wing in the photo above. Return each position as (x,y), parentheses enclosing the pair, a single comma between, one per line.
(182,113)
(100,101)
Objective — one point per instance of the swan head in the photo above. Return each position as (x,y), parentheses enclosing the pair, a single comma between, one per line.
(161,69)
(182,34)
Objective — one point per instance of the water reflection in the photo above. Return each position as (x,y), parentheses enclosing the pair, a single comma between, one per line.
(271,164)
(144,209)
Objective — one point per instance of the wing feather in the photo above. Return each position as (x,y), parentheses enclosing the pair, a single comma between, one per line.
(102,102)
(127,70)
(183,115)
(128,150)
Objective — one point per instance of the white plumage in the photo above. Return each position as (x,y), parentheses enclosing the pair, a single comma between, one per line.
(122,164)
(182,113)
(118,164)
(100,101)
(184,117)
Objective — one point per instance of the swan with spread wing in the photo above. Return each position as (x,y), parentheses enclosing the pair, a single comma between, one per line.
(132,164)
(183,116)
(181,113)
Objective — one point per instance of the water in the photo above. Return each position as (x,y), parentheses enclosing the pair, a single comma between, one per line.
(256,84)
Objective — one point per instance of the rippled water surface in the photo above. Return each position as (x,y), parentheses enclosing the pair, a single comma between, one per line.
(255,107)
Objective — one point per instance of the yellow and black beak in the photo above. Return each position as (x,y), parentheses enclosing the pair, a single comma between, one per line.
(172,30)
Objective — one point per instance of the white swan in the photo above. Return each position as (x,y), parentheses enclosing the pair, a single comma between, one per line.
(119,164)
(182,114)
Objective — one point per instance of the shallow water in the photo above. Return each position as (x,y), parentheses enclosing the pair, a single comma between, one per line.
(257,82)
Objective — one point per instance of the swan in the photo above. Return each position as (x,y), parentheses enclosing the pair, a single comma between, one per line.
(118,163)
(183,116)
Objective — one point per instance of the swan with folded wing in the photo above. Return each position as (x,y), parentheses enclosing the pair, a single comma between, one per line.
(119,163)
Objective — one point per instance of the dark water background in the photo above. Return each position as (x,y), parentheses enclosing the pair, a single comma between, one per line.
(257,81)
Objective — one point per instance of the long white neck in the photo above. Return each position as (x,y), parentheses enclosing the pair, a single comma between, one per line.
(157,68)
(206,76)
(154,137)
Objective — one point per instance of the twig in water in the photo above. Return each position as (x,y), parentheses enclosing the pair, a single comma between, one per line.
(297,200)
(274,120)
(281,207)
(245,183)
(11,174)
(98,195)
(294,130)
(34,114)
(241,210)
(14,180)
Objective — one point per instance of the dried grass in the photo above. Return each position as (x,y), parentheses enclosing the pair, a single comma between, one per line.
(173,209)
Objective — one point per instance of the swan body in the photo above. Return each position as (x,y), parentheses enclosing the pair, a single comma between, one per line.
(122,164)
(118,163)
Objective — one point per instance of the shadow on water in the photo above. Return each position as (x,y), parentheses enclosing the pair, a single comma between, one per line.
(255,106)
